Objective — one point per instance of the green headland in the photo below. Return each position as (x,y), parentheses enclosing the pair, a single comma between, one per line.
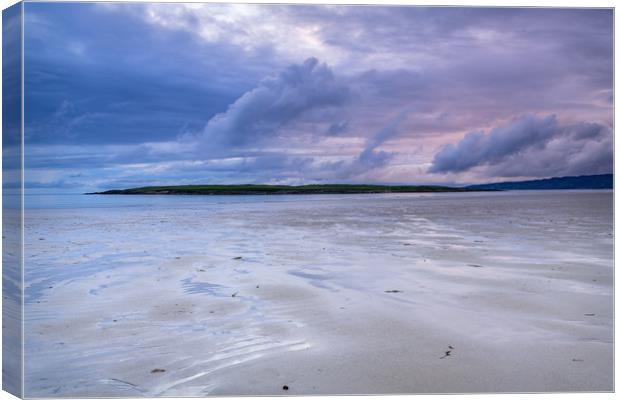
(283,189)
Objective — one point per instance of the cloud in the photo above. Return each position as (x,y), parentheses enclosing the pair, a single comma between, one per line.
(337,128)
(367,161)
(530,146)
(248,28)
(581,149)
(177,93)
(136,85)
(261,113)
(479,148)
(370,157)
(12,67)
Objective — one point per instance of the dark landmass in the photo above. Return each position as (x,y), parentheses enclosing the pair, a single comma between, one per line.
(284,189)
(568,182)
(605,181)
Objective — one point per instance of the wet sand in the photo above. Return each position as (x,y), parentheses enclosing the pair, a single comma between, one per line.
(441,293)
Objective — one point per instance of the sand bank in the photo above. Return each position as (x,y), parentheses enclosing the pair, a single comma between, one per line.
(485,292)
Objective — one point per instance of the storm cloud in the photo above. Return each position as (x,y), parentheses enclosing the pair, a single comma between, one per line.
(531,146)
(129,94)
(370,157)
(261,113)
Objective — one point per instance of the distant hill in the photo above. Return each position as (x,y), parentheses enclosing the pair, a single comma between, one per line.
(605,181)
(283,189)
(568,182)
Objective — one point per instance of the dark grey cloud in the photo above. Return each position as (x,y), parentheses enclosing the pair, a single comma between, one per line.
(11,82)
(337,128)
(531,146)
(480,148)
(370,158)
(260,113)
(573,151)
(151,93)
(11,98)
(96,76)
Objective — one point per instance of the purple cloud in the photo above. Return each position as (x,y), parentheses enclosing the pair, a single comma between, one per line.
(260,113)
(531,146)
(219,93)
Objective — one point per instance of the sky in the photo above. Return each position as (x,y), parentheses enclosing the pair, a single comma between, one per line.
(122,95)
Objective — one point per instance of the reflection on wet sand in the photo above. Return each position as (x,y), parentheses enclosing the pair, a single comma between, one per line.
(329,294)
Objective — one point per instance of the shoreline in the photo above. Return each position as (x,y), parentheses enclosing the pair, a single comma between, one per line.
(604,181)
(285,189)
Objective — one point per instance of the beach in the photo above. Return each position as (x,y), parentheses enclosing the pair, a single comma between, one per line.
(318,294)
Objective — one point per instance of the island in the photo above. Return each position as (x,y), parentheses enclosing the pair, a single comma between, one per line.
(284,189)
(604,181)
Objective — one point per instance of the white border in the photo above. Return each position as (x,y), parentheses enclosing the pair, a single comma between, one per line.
(479,3)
